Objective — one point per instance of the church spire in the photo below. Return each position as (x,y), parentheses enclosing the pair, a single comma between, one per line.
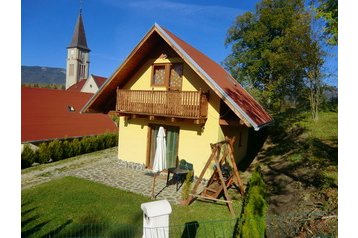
(77,55)
(79,35)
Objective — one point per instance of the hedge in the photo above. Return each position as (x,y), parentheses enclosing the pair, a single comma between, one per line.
(27,157)
(252,221)
(58,150)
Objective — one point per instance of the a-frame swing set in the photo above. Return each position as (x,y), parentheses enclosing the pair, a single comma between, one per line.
(223,176)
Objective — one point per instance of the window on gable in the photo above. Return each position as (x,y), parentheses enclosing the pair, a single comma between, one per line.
(176,75)
(168,75)
(158,75)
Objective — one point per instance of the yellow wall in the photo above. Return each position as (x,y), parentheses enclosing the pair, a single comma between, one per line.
(194,140)
(240,145)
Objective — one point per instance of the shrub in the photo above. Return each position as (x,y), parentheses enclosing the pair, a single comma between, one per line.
(76,147)
(104,141)
(187,185)
(56,150)
(67,149)
(27,157)
(115,119)
(252,220)
(86,145)
(94,143)
(44,154)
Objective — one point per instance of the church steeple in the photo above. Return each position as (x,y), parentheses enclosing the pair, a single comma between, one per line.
(77,55)
(79,35)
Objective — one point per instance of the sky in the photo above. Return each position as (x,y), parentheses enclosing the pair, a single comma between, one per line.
(114,27)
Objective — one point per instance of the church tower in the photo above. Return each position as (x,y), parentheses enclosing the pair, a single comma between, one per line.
(77,55)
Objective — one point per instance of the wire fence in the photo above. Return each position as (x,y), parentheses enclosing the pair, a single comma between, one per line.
(289,226)
(217,229)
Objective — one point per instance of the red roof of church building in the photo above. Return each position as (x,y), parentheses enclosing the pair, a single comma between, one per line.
(78,86)
(99,80)
(46,115)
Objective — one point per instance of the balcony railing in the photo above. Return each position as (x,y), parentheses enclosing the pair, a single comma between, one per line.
(175,104)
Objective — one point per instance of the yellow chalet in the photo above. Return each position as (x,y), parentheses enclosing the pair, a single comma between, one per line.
(166,82)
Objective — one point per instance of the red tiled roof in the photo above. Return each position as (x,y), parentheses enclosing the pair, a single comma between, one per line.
(78,86)
(45,115)
(226,82)
(99,80)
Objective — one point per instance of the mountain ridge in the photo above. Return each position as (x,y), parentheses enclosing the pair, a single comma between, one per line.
(43,75)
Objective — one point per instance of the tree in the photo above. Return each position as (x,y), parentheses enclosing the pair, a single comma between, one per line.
(313,66)
(328,11)
(314,79)
(272,51)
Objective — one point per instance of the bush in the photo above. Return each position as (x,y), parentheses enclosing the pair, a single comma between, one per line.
(44,154)
(67,149)
(27,157)
(252,222)
(76,147)
(56,150)
(86,146)
(187,185)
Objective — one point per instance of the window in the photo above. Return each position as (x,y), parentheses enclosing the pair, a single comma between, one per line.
(168,75)
(158,75)
(172,144)
(70,109)
(176,73)
(71,70)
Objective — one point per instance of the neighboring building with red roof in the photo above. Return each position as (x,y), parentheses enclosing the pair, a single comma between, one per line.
(48,114)
(90,85)
(165,82)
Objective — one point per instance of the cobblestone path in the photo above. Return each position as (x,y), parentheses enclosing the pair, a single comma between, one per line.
(104,167)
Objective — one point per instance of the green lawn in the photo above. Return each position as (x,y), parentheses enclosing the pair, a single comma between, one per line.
(326,128)
(56,206)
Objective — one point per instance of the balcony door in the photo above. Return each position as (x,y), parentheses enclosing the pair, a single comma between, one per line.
(172,142)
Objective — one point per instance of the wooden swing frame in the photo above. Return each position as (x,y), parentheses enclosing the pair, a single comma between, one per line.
(213,194)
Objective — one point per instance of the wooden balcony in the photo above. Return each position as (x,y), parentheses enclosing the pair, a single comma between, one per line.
(172,104)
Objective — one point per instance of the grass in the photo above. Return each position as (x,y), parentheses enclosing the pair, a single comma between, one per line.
(307,142)
(56,206)
(326,128)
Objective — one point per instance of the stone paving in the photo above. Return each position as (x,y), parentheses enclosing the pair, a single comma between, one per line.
(104,167)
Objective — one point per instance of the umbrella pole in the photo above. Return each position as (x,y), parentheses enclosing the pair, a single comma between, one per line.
(155,176)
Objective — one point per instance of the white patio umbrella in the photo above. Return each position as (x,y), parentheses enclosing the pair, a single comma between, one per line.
(159,163)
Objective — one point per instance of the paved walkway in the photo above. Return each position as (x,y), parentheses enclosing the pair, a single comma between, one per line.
(104,167)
